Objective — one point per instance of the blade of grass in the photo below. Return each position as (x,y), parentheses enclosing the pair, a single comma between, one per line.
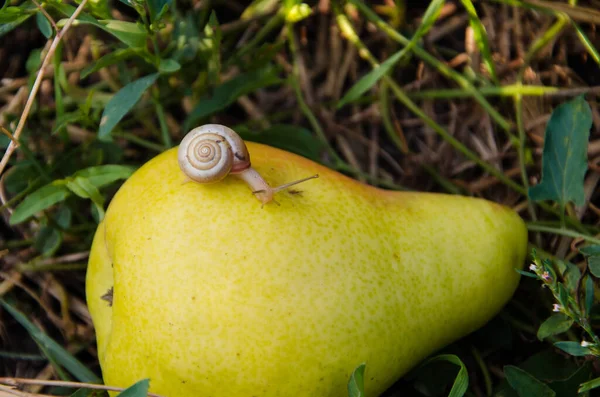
(55,351)
(482,39)
(434,62)
(347,29)
(371,78)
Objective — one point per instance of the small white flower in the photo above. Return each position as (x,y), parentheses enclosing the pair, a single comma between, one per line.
(556,308)
(586,343)
(533,267)
(546,276)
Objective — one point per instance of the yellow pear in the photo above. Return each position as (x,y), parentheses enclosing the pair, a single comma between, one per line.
(217,295)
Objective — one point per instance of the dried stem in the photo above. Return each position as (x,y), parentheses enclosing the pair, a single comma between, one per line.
(36,85)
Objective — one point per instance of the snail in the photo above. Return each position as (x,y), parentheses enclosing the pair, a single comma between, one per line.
(209,153)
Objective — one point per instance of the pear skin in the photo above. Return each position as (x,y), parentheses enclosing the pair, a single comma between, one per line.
(216,295)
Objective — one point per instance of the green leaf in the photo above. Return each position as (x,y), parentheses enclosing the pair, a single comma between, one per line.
(109,59)
(589,295)
(461,383)
(43,25)
(63,217)
(11,17)
(527,274)
(573,348)
(564,158)
(592,384)
(47,241)
(39,200)
(130,33)
(103,175)
(158,8)
(356,384)
(569,386)
(228,92)
(371,78)
(292,138)
(83,188)
(590,250)
(525,384)
(167,66)
(59,354)
(122,103)
(138,389)
(555,324)
(481,38)
(594,265)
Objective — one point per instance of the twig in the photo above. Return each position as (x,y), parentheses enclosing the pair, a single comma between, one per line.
(36,85)
(24,381)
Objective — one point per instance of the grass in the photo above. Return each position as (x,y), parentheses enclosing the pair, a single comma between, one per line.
(445,97)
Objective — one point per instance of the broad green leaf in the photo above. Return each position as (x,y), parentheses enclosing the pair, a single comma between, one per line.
(109,59)
(356,384)
(573,348)
(43,25)
(63,217)
(555,324)
(130,33)
(525,384)
(228,92)
(103,175)
(168,66)
(47,241)
(158,8)
(59,354)
(564,158)
(461,383)
(590,250)
(122,103)
(371,78)
(138,389)
(39,200)
(292,138)
(594,265)
(11,16)
(592,384)
(83,188)
(570,385)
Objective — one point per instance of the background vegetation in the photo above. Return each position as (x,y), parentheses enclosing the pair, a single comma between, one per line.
(449,96)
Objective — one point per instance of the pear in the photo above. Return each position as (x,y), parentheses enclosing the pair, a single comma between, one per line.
(207,292)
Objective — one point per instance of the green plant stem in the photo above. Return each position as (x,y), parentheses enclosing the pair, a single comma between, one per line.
(438,65)
(487,379)
(139,141)
(562,232)
(160,114)
(347,29)
(504,91)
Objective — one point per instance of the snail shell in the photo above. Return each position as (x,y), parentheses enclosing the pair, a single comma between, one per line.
(210,152)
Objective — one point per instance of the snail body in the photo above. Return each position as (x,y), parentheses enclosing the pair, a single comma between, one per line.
(207,154)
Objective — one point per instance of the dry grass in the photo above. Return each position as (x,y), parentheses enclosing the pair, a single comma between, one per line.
(377,140)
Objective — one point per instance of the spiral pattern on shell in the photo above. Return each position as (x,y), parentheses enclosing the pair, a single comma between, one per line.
(210,152)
